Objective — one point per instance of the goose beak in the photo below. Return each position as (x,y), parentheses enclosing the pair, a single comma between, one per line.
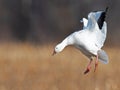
(53,53)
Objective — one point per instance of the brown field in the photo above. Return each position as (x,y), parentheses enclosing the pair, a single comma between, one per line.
(29,67)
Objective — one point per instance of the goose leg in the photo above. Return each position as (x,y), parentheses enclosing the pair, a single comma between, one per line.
(88,67)
(96,63)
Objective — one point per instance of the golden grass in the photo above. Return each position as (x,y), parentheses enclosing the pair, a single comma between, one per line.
(29,67)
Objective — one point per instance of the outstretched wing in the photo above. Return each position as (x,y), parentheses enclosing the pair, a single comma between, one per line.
(101,35)
(85,22)
(96,22)
(92,22)
(96,17)
(101,18)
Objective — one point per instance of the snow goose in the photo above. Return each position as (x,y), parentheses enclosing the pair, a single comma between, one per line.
(90,39)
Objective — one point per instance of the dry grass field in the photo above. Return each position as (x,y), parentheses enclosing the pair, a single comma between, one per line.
(29,67)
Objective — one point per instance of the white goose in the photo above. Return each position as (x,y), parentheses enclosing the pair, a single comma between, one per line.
(90,39)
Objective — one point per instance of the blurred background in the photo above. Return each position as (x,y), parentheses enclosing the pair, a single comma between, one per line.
(45,21)
(29,30)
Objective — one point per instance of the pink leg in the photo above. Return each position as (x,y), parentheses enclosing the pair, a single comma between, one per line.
(88,67)
(96,63)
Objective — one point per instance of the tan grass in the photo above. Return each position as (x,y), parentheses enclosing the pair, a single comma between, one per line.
(29,67)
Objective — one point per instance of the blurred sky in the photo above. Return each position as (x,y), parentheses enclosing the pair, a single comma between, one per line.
(46,21)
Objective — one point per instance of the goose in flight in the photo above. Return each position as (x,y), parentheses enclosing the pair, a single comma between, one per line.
(90,39)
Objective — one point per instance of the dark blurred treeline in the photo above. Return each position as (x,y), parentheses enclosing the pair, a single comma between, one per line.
(45,21)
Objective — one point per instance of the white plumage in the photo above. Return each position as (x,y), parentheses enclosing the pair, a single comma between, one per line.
(90,39)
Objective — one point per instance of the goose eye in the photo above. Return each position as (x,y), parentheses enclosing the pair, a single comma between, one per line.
(56,48)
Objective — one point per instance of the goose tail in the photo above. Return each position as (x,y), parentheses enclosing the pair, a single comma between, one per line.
(103,57)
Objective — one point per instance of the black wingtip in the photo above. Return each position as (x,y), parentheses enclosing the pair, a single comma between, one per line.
(102,18)
(106,10)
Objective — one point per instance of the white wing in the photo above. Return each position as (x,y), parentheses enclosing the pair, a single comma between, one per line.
(85,22)
(92,22)
(92,25)
(97,14)
(101,35)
